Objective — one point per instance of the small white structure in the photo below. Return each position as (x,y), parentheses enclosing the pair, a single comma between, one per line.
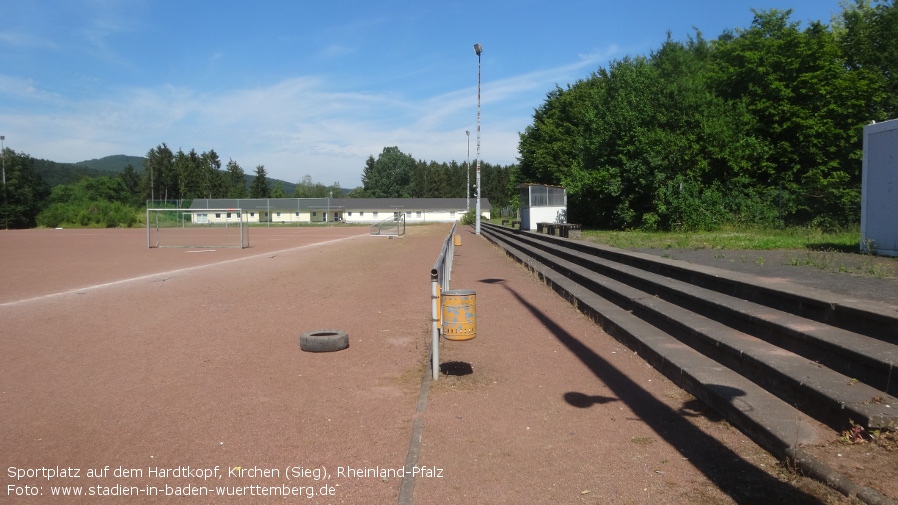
(542,204)
(879,189)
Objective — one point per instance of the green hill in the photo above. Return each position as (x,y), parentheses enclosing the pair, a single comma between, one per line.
(115,163)
(67,173)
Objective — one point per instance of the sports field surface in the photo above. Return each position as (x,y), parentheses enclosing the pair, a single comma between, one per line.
(141,375)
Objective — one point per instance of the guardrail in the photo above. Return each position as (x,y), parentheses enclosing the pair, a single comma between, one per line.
(440,275)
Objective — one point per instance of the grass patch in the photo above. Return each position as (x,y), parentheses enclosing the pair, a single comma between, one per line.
(832,252)
(748,239)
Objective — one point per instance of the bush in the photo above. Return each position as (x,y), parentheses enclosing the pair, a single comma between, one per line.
(89,214)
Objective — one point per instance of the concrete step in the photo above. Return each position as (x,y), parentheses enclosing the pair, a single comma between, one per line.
(828,396)
(863,358)
(772,422)
(865,317)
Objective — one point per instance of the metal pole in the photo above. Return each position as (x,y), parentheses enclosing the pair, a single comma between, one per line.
(468,174)
(435,330)
(5,193)
(478,49)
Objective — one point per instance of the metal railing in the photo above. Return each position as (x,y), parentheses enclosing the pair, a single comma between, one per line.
(440,276)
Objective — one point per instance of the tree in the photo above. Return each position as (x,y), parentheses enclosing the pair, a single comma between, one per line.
(390,176)
(160,179)
(131,179)
(213,184)
(358,192)
(190,175)
(761,124)
(260,187)
(278,190)
(304,187)
(235,181)
(810,108)
(368,174)
(497,185)
(25,192)
(867,38)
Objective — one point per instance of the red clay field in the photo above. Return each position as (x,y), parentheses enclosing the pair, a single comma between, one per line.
(137,375)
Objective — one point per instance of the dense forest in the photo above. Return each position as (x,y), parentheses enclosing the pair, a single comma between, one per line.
(759,127)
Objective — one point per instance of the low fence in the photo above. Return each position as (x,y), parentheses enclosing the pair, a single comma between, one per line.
(440,276)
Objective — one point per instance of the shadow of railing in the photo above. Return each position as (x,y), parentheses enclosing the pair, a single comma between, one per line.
(732,474)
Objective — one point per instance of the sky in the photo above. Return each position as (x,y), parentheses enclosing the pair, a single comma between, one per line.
(316,87)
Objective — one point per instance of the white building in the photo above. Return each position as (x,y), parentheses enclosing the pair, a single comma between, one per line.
(320,210)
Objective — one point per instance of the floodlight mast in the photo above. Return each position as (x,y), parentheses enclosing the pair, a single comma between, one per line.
(5,197)
(478,49)
(468,174)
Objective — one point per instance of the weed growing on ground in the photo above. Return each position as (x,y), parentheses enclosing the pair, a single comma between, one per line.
(854,435)
(887,438)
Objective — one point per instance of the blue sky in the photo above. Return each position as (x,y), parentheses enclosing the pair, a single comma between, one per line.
(315,87)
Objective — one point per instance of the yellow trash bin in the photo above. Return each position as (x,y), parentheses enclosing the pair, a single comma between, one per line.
(459,314)
(456,239)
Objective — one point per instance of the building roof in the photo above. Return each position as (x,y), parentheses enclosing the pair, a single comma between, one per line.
(536,184)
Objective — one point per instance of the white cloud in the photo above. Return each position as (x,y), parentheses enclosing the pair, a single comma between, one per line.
(294,127)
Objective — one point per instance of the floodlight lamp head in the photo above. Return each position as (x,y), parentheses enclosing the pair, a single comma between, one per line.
(478,49)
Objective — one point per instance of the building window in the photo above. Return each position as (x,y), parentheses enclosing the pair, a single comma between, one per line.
(218,215)
(229,215)
(297,214)
(362,214)
(418,214)
(375,213)
(451,213)
(349,213)
(252,214)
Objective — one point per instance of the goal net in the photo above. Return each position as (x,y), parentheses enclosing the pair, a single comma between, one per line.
(206,228)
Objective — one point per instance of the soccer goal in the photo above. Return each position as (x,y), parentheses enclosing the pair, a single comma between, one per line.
(200,228)
(392,226)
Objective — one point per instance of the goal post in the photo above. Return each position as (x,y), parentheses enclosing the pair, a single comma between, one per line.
(196,228)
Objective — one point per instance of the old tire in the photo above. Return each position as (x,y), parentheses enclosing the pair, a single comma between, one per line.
(324,341)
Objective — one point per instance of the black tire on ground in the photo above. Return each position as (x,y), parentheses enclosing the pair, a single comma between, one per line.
(324,341)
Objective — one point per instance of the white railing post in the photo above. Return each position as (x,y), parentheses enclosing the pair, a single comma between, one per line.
(435,306)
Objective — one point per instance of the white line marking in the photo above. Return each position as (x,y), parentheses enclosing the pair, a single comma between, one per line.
(167,275)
